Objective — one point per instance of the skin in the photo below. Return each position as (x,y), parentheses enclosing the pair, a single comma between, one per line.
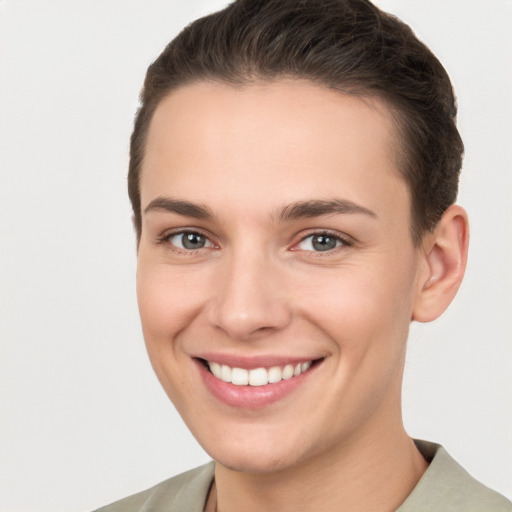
(258,287)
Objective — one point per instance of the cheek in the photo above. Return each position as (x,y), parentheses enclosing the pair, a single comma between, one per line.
(167,301)
(368,321)
(364,306)
(165,311)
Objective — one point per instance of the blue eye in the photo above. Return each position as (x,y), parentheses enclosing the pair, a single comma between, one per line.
(320,242)
(189,240)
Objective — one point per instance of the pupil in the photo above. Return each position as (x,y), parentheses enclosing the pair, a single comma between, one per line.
(324,243)
(193,241)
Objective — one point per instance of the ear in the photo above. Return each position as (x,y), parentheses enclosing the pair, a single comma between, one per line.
(445,254)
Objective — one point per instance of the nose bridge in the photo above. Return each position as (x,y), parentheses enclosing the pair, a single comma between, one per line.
(250,296)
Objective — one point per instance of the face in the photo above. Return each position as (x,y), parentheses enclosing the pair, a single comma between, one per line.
(276,270)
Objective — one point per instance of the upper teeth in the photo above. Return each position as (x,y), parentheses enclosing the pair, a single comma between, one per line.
(257,376)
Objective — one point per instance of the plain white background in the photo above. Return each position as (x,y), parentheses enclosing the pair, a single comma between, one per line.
(83,419)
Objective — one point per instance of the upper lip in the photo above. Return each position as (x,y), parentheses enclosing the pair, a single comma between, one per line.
(257,361)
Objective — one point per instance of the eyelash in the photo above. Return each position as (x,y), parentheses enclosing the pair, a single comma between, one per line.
(165,239)
(343,241)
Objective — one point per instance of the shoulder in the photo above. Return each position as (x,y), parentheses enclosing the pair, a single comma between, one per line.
(187,491)
(447,486)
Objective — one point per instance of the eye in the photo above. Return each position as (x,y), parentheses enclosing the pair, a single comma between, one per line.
(321,242)
(189,240)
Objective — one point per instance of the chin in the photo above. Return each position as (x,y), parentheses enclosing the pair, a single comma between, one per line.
(254,462)
(255,454)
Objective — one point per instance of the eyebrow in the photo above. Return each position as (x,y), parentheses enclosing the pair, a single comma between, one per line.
(317,208)
(293,211)
(180,207)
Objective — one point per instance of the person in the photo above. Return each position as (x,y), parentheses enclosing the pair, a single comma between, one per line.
(293,175)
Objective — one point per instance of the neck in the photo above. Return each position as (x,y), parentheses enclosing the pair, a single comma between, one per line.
(366,474)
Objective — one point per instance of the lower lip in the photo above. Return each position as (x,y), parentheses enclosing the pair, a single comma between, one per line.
(251,397)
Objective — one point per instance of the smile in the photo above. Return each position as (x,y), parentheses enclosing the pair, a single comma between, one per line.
(257,376)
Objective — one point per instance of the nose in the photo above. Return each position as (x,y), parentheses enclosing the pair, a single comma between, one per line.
(249,298)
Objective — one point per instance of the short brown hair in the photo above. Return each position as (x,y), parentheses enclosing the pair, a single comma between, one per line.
(347,45)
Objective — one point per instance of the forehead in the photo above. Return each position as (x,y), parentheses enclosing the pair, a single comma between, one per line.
(284,138)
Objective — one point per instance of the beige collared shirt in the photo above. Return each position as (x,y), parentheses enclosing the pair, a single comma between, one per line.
(445,487)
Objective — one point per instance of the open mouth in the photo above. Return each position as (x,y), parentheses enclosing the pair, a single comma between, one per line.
(257,376)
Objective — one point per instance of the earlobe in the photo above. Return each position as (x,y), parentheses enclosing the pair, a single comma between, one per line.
(445,256)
